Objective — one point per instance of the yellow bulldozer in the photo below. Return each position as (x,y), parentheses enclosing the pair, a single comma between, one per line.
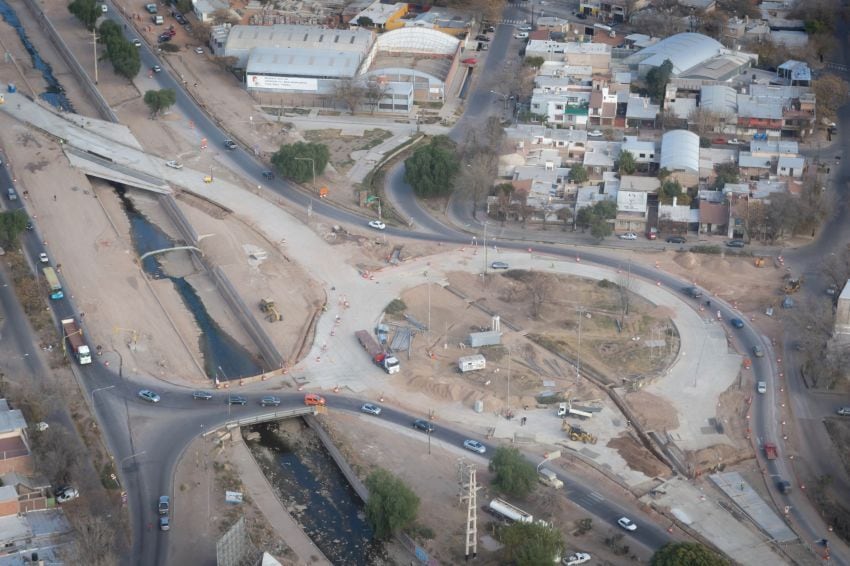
(791,284)
(576,433)
(268,308)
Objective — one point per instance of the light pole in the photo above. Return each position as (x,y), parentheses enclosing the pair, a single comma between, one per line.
(428,280)
(485,248)
(94,39)
(504,98)
(578,349)
(508,397)
(312,166)
(99,389)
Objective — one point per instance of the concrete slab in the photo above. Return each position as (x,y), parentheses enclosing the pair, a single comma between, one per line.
(751,503)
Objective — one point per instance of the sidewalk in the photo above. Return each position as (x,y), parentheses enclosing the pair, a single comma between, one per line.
(264,496)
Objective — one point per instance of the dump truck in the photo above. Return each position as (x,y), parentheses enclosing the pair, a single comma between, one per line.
(387,362)
(770,451)
(514,514)
(76,342)
(576,433)
(53,283)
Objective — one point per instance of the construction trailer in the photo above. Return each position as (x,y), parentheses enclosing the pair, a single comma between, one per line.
(471,363)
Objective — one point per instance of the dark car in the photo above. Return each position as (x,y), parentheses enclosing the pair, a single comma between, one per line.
(423,425)
(268,175)
(692,292)
(735,243)
(581,16)
(236,400)
(676,240)
(164,38)
(784,486)
(202,395)
(758,352)
(482,38)
(30,227)
(489,29)
(230,144)
(737,323)
(270,401)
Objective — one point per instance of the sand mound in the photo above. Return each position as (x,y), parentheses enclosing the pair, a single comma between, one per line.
(686,260)
(654,412)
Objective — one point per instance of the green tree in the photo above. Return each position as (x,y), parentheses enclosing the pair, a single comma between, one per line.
(670,189)
(12,223)
(532,544)
(727,172)
(87,11)
(600,228)
(123,54)
(514,474)
(183,6)
(657,79)
(108,32)
(628,165)
(392,505)
(431,168)
(578,174)
(686,554)
(365,22)
(159,101)
(535,62)
(596,218)
(301,170)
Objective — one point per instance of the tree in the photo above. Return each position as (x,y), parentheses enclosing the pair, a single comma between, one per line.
(12,223)
(671,189)
(541,285)
(504,200)
(578,174)
(831,92)
(601,229)
(158,101)
(535,62)
(532,544)
(477,175)
(290,160)
(350,93)
(726,172)
(514,474)
(374,93)
(87,11)
(392,505)
(657,79)
(686,554)
(431,168)
(224,16)
(627,163)
(94,543)
(365,22)
(493,135)
(597,218)
(108,32)
(739,8)
(183,6)
(56,455)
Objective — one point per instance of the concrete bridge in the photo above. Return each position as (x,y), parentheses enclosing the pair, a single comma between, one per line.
(174,249)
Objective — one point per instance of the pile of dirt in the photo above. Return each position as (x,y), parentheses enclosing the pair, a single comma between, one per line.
(716,457)
(653,412)
(732,408)
(687,260)
(637,457)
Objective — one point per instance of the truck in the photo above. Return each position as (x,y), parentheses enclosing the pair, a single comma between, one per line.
(385,361)
(53,282)
(78,345)
(514,514)
(548,477)
(770,451)
(471,363)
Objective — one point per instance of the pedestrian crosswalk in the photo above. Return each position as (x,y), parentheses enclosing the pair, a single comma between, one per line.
(589,499)
(517,22)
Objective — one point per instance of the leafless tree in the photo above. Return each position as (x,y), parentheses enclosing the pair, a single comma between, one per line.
(624,283)
(55,455)
(478,171)
(493,134)
(94,541)
(349,93)
(224,16)
(540,287)
(704,121)
(201,32)
(565,215)
(836,268)
(375,92)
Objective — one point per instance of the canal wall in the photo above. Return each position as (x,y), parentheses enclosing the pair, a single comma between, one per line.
(341,462)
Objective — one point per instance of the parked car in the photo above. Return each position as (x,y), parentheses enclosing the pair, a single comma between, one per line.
(719,141)
(202,395)
(163,505)
(371,409)
(843,412)
(423,425)
(42,257)
(676,240)
(628,236)
(199,50)
(270,401)
(469,61)
(758,352)
(481,37)
(525,27)
(581,16)
(627,524)
(475,446)
(236,400)
(66,494)
(761,387)
(313,399)
(521,35)
(149,396)
(499,265)
(230,144)
(576,559)
(137,43)
(594,134)
(174,164)
(737,322)
(164,523)
(377,225)
(735,243)
(268,175)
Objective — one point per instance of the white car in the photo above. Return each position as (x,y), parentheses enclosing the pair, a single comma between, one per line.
(575,559)
(174,164)
(475,446)
(42,257)
(627,524)
(137,43)
(199,50)
(594,134)
(761,387)
(377,225)
(526,27)
(371,409)
(521,35)
(66,494)
(628,236)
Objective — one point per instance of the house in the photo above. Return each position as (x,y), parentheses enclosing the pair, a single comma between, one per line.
(600,156)
(636,196)
(452,23)
(680,156)
(566,109)
(790,166)
(713,217)
(384,17)
(675,218)
(645,152)
(553,24)
(602,107)
(205,9)
(795,73)
(15,453)
(641,113)
(593,55)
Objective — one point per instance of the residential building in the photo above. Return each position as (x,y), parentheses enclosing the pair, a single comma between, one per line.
(645,152)
(205,9)
(680,156)
(635,196)
(566,109)
(384,17)
(713,217)
(641,113)
(601,156)
(15,453)
(594,55)
(452,23)
(602,107)
(795,73)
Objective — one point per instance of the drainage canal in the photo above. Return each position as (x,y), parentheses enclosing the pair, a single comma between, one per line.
(314,491)
(224,358)
(55,94)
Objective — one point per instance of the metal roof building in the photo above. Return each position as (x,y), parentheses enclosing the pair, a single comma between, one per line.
(684,50)
(680,151)
(243,39)
(722,100)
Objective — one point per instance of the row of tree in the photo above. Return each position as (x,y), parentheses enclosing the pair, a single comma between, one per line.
(123,54)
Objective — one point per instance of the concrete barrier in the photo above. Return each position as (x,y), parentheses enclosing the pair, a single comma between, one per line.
(337,456)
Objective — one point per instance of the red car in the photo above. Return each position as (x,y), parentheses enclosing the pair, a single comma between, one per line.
(470,61)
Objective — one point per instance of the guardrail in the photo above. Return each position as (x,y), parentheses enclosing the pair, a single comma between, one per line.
(264,418)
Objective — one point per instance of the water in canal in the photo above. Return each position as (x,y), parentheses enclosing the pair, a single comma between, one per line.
(55,94)
(223,356)
(316,493)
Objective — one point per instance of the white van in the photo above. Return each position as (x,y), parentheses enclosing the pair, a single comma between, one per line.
(12,194)
(158,20)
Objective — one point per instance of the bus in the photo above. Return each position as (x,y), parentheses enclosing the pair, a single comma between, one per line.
(53,283)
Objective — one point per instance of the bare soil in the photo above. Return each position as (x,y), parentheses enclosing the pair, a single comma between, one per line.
(839,433)
(638,457)
(341,146)
(654,413)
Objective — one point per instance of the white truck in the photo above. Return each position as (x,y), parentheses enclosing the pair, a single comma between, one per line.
(510,512)
(548,477)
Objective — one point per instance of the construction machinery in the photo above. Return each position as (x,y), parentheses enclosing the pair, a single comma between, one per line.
(268,308)
(792,283)
(576,433)
(758,261)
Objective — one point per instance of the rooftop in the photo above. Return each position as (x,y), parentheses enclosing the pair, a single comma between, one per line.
(10,419)
(286,36)
(303,63)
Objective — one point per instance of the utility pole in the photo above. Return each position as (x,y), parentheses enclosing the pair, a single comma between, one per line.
(578,350)
(485,248)
(467,477)
(94,39)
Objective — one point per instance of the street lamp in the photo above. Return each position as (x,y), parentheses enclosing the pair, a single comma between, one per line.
(312,165)
(578,349)
(505,98)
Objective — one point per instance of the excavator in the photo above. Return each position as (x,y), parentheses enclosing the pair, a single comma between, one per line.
(576,434)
